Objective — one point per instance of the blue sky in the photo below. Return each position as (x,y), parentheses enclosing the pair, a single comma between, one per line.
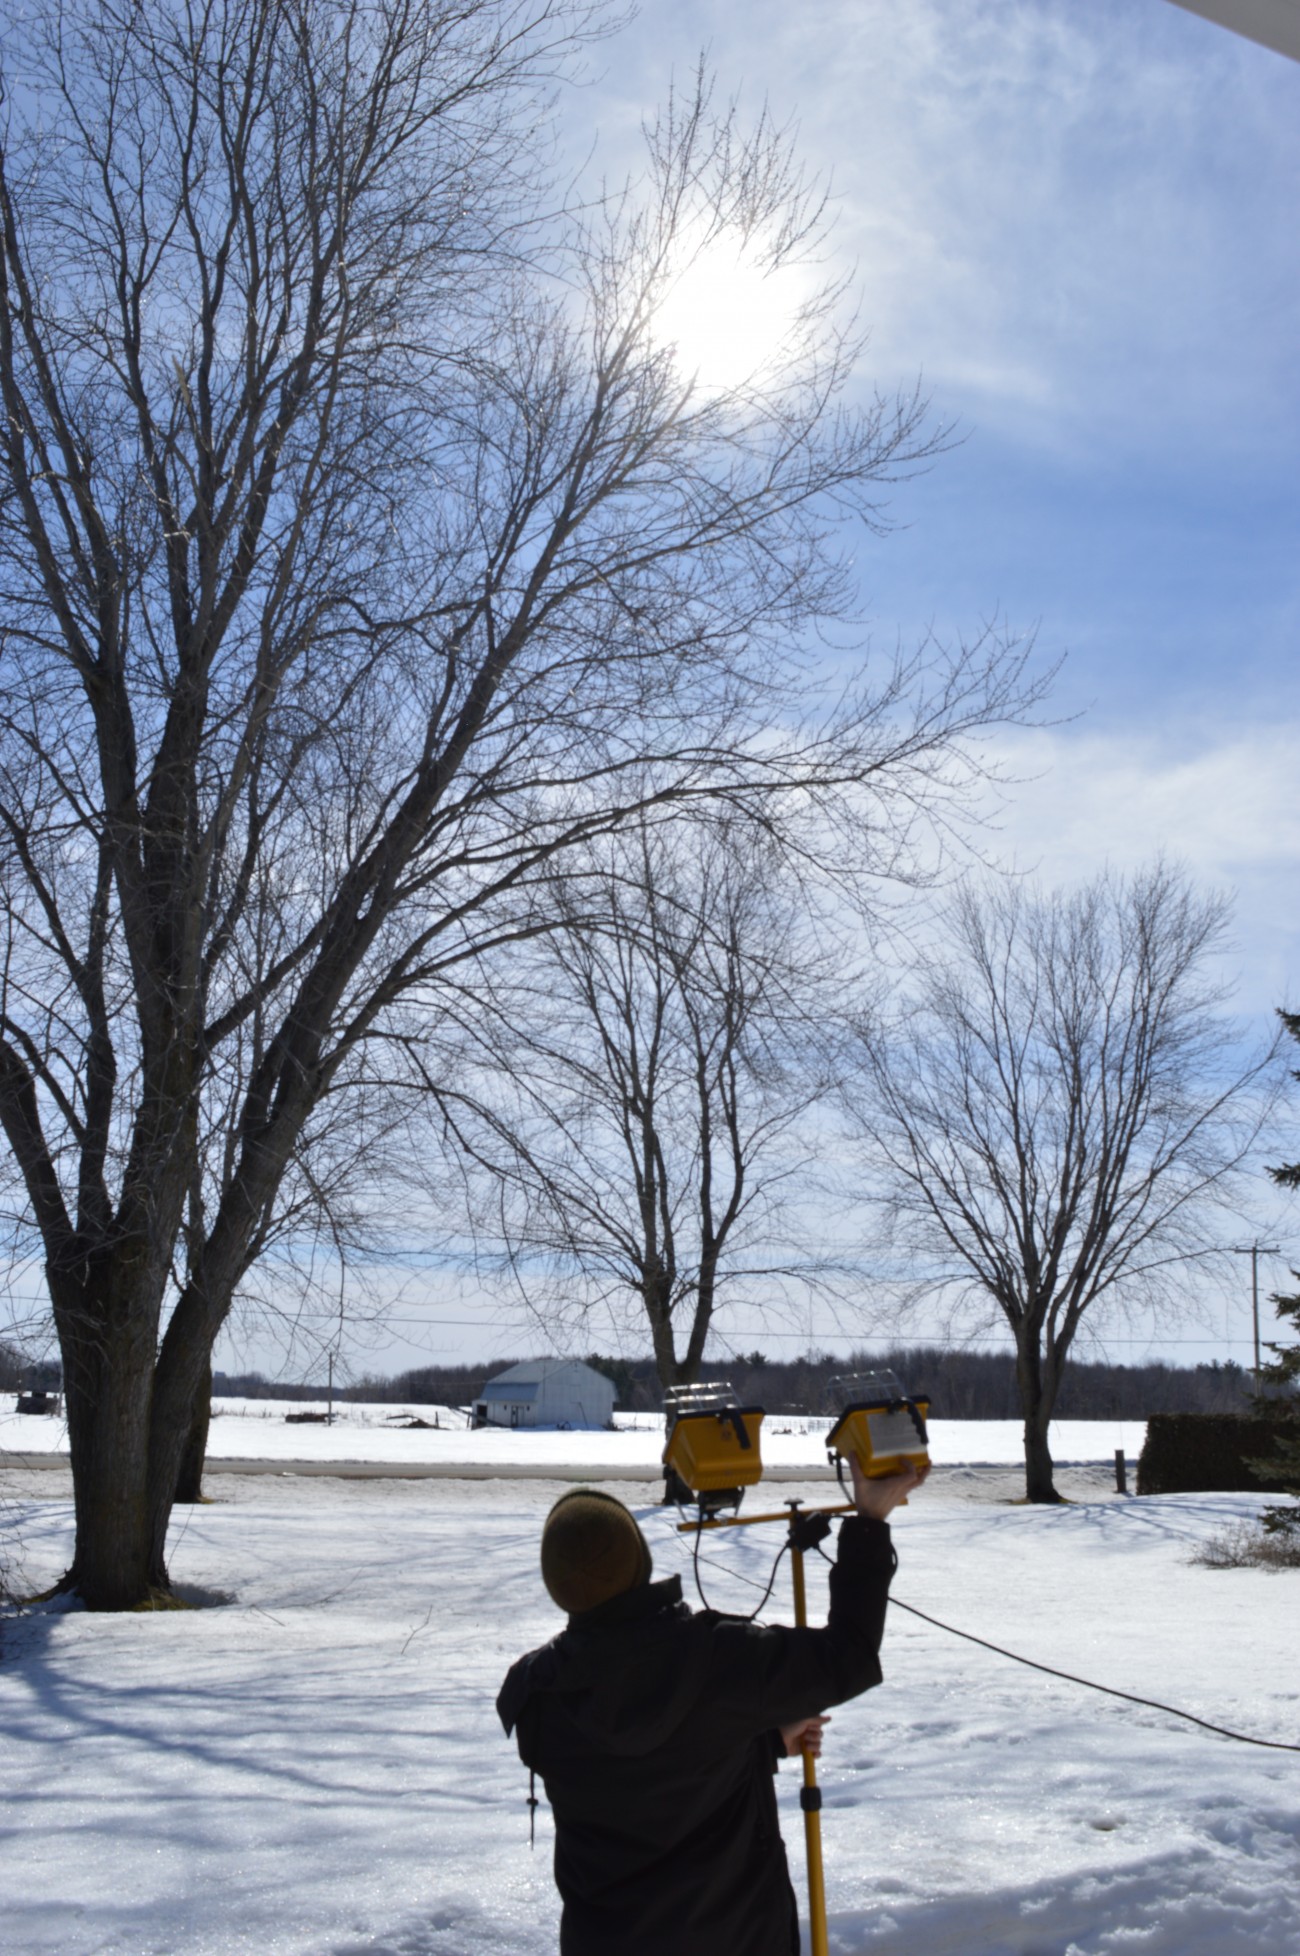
(1077,223)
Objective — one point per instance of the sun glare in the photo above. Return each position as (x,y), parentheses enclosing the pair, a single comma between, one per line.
(727,317)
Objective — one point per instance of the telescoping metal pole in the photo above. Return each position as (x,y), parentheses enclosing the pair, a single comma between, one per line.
(810,1794)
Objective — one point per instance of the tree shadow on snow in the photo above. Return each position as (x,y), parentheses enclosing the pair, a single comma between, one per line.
(192,1705)
(1135,1525)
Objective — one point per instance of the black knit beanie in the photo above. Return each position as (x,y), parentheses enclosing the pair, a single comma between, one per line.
(592,1550)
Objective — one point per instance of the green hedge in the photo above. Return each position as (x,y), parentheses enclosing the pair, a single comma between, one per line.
(1206,1453)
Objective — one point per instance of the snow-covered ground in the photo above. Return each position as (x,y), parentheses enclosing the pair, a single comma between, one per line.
(257,1429)
(310,1765)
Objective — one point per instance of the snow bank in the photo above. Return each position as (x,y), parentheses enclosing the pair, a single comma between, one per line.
(312,1767)
(257,1429)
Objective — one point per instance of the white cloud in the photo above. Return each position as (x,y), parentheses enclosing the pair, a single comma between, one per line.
(1077,220)
(1222,803)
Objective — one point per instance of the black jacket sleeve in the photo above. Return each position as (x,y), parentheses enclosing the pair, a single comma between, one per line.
(768,1675)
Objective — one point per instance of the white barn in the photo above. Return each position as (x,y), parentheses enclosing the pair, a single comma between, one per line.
(546,1392)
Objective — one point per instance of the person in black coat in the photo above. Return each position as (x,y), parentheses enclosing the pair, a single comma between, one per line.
(656,1730)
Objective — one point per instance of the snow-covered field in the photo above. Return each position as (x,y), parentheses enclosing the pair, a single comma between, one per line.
(257,1429)
(310,1765)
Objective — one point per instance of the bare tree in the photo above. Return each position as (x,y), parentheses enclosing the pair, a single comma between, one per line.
(361,553)
(1059,1111)
(645,1078)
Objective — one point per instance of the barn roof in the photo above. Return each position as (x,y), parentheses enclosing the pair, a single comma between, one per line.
(535,1371)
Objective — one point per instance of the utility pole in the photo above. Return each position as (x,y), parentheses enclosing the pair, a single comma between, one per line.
(1255,1251)
(329,1417)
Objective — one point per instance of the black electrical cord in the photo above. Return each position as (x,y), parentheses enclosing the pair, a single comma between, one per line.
(1130,1697)
(771,1581)
(695,1570)
(1050,1670)
(737,1575)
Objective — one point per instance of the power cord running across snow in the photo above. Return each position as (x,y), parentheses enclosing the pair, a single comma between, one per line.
(1069,1677)
(1130,1697)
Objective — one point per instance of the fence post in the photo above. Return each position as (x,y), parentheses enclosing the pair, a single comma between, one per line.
(1121,1477)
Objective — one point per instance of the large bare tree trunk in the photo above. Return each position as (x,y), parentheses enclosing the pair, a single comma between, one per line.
(1036,1402)
(1039,1483)
(108,1384)
(189,1483)
(672,1370)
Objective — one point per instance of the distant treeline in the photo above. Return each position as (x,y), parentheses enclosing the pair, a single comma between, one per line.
(962,1384)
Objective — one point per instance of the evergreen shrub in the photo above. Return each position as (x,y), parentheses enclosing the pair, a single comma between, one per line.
(1206,1453)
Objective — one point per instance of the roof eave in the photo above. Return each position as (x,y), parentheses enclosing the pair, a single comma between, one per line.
(1273,23)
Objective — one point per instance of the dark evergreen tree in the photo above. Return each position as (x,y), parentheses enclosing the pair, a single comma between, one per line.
(1282,1377)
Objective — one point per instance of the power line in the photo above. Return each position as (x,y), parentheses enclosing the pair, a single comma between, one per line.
(731,1333)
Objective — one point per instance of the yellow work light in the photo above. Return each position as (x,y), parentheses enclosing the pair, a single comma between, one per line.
(712,1452)
(879,1425)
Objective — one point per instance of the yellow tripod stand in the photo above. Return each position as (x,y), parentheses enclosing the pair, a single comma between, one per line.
(800,1537)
